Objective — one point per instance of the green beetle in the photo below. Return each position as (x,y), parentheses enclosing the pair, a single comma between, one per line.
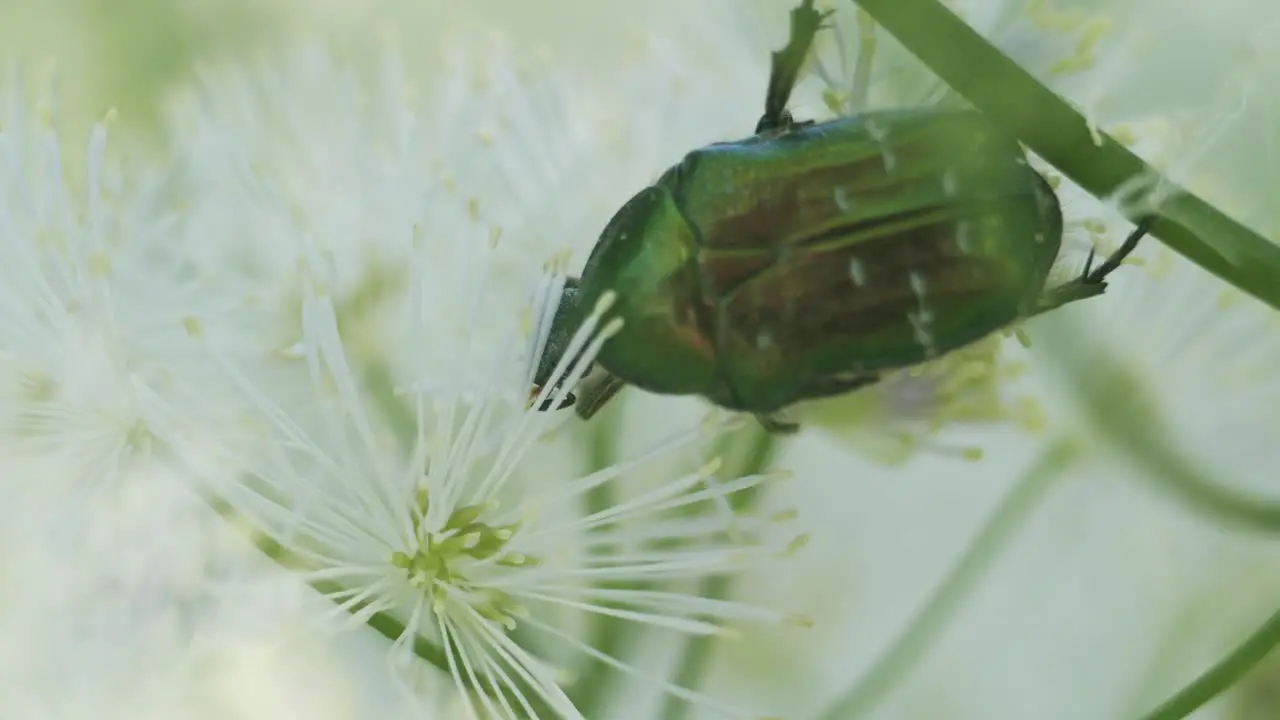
(809,259)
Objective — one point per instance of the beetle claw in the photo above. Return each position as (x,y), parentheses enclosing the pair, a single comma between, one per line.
(1097,275)
(806,21)
(1088,265)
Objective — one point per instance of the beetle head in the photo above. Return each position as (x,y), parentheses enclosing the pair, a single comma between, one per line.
(563,327)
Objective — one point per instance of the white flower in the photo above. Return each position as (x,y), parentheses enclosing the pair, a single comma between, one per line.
(95,315)
(114,565)
(303,166)
(409,483)
(133,606)
(459,540)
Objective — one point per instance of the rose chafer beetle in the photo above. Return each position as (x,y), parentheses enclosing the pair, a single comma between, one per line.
(809,259)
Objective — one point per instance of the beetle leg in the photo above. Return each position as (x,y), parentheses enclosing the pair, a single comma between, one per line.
(593,393)
(1130,243)
(773,424)
(832,385)
(1067,294)
(1092,281)
(1088,263)
(786,65)
(822,387)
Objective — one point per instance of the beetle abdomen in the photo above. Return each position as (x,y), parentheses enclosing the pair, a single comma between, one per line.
(863,245)
(895,302)
(773,192)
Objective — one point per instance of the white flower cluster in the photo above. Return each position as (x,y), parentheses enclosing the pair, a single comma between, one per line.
(317,318)
(323,318)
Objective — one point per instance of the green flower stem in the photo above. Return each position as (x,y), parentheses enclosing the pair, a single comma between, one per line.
(1115,402)
(1176,475)
(1047,124)
(608,634)
(698,652)
(354,314)
(757,449)
(1223,675)
(903,654)
(380,387)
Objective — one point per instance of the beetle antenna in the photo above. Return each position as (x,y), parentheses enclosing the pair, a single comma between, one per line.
(1099,273)
(786,65)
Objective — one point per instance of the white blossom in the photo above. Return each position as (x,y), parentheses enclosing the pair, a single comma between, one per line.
(461,542)
(303,165)
(95,316)
(417,493)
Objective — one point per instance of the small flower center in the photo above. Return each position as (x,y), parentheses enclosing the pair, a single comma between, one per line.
(444,563)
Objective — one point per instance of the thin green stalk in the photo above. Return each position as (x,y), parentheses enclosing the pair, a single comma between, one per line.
(1118,408)
(1047,124)
(698,652)
(608,634)
(1223,675)
(1176,475)
(380,387)
(760,449)
(905,652)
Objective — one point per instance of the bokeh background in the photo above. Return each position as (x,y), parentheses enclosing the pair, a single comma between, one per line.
(1106,597)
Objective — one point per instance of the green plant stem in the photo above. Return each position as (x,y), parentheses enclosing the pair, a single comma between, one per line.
(698,652)
(1223,675)
(760,449)
(997,86)
(1114,400)
(608,634)
(400,418)
(905,651)
(1176,475)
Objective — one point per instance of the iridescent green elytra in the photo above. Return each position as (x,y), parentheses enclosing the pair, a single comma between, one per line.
(808,259)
